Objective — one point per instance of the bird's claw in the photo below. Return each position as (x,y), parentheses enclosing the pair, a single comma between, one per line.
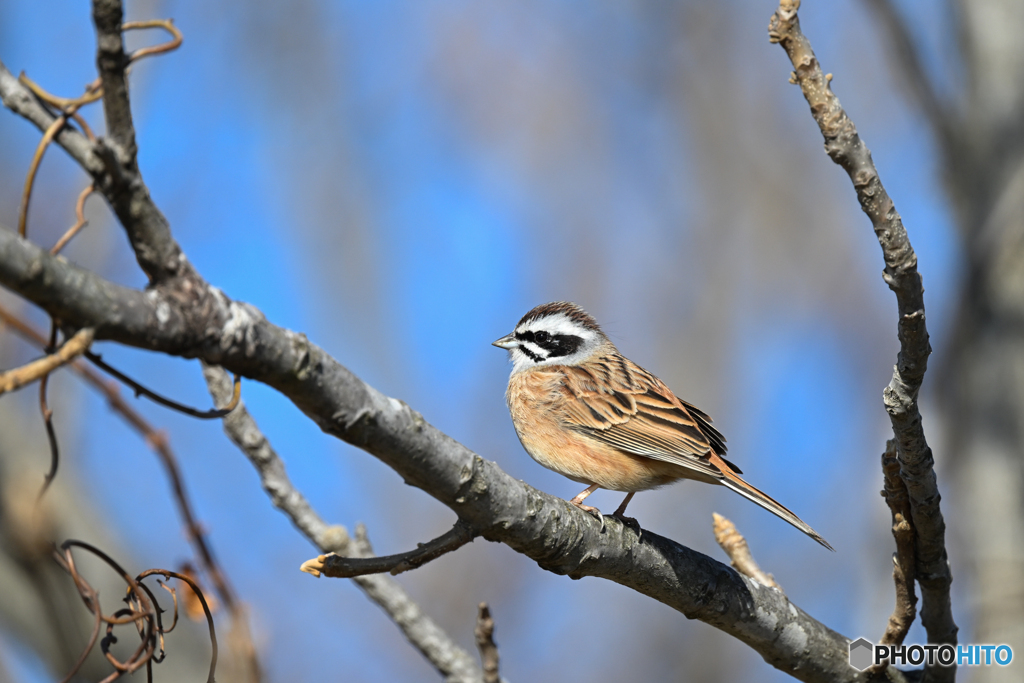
(593,511)
(630,522)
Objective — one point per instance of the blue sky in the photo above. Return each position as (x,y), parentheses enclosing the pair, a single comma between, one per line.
(341,190)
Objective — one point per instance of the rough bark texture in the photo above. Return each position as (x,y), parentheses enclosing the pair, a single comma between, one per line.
(845,147)
(979,131)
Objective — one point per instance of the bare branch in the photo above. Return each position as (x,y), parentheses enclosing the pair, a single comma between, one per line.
(112,64)
(559,537)
(845,147)
(30,372)
(895,493)
(484,633)
(735,546)
(337,566)
(139,389)
(423,633)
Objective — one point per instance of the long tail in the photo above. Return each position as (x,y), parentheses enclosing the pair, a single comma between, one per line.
(764,500)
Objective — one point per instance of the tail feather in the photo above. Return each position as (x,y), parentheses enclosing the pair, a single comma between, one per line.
(768,503)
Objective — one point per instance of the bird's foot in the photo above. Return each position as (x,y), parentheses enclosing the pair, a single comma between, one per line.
(592,510)
(629,521)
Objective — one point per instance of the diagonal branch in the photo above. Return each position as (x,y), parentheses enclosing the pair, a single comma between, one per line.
(558,536)
(37,369)
(845,147)
(454,663)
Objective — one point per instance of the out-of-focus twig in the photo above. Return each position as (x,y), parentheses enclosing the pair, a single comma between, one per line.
(165,24)
(157,440)
(338,566)
(44,408)
(68,109)
(735,546)
(450,660)
(139,389)
(143,610)
(484,633)
(80,221)
(30,372)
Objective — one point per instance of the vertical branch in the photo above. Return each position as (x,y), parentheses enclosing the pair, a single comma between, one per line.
(895,493)
(845,147)
(112,63)
(484,633)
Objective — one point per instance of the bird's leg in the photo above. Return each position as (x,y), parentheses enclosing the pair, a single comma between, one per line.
(578,502)
(620,514)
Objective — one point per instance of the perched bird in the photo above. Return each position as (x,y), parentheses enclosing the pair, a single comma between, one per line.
(584,410)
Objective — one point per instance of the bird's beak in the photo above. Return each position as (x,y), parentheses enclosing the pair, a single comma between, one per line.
(506,342)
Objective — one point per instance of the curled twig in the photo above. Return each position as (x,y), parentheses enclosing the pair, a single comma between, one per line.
(339,567)
(484,633)
(142,610)
(30,372)
(167,573)
(167,25)
(68,109)
(735,546)
(140,390)
(80,221)
(147,613)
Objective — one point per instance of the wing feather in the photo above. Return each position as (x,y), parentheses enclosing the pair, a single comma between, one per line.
(619,403)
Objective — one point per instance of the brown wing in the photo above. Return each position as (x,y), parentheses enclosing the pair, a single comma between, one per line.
(615,401)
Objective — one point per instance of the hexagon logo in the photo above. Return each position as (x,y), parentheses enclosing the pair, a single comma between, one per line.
(860,654)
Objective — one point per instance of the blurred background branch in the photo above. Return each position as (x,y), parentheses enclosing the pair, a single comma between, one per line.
(463,162)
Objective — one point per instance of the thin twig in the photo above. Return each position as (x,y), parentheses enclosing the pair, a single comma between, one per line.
(735,546)
(339,567)
(165,24)
(44,408)
(80,221)
(139,389)
(68,109)
(450,660)
(484,633)
(30,177)
(158,441)
(30,372)
(846,148)
(167,573)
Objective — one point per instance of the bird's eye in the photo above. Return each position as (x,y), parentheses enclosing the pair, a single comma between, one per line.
(541,336)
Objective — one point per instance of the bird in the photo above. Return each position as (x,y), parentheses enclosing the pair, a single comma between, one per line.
(584,410)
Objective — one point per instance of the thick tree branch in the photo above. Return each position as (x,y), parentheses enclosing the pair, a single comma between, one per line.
(844,146)
(558,536)
(454,663)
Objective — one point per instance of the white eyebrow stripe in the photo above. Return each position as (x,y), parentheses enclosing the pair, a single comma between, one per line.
(557,324)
